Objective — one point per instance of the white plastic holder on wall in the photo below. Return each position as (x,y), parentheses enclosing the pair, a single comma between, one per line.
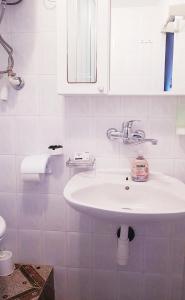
(3,89)
(35,167)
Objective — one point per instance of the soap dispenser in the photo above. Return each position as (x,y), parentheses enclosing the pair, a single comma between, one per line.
(140,169)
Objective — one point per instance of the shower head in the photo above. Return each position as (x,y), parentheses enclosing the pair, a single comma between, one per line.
(15,81)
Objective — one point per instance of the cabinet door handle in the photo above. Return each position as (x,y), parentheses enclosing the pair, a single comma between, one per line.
(101,89)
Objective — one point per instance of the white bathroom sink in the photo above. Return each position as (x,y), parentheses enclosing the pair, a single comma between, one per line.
(2,227)
(108,195)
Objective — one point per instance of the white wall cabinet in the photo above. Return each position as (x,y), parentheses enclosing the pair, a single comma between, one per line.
(83,46)
(117,47)
(137,47)
(179,64)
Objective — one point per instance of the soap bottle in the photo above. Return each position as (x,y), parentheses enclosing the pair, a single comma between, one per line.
(140,169)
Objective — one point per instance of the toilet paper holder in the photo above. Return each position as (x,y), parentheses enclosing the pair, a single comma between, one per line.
(36,164)
(33,166)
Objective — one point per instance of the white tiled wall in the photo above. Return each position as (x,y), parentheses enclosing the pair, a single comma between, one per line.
(41,228)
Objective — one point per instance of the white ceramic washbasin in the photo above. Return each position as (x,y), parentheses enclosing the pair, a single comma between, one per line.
(108,195)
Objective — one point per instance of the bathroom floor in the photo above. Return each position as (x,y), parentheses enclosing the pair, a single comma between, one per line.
(28,282)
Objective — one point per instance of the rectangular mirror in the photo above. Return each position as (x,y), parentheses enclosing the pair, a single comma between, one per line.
(81,41)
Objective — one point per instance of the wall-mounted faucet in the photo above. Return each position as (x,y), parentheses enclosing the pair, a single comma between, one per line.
(129,136)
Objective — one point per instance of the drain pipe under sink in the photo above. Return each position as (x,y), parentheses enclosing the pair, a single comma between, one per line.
(125,235)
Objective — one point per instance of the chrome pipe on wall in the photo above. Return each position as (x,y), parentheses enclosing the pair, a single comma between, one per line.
(15,81)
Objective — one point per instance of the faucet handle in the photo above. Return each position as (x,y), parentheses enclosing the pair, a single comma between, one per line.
(127,128)
(130,123)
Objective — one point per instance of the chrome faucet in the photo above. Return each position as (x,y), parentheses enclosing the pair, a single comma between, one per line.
(129,136)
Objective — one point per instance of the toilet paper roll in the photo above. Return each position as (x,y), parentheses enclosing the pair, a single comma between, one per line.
(31,177)
(6,263)
(34,166)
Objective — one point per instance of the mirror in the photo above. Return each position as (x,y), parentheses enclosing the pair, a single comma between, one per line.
(81,41)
